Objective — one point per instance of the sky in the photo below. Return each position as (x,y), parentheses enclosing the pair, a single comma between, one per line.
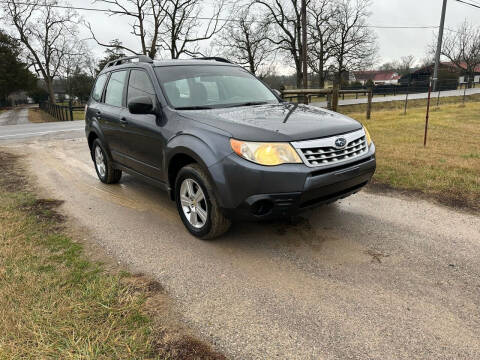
(393,43)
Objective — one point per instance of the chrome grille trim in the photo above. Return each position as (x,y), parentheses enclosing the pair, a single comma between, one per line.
(323,152)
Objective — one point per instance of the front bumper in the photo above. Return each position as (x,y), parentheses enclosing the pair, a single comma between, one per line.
(252,192)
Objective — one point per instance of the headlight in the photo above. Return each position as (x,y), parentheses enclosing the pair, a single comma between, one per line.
(266,153)
(367,134)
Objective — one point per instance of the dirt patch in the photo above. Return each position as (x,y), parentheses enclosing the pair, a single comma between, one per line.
(376,256)
(12,173)
(45,210)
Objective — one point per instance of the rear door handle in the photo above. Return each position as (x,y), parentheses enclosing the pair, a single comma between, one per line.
(123,121)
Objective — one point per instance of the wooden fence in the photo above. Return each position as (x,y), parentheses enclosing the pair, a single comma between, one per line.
(332,96)
(60,112)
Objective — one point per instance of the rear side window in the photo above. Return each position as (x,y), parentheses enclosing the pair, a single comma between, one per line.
(114,92)
(98,89)
(139,85)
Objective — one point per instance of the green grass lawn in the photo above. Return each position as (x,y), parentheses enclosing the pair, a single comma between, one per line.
(79,115)
(448,169)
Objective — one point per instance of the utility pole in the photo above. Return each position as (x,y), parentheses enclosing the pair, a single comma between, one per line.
(439,46)
(304,47)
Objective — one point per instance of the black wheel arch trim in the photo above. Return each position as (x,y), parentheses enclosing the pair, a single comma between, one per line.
(95,129)
(198,150)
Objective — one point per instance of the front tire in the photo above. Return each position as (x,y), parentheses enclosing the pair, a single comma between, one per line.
(197,205)
(104,165)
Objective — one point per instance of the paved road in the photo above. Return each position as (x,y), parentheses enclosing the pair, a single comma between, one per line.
(371,277)
(15,116)
(380,98)
(24,131)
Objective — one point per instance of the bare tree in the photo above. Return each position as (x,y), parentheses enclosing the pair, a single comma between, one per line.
(48,35)
(321,32)
(147,16)
(462,48)
(286,20)
(186,26)
(354,44)
(245,42)
(405,64)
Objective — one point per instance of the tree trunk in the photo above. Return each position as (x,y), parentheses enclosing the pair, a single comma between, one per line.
(321,74)
(298,67)
(51,94)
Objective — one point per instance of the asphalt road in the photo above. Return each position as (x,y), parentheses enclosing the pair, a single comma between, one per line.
(13,117)
(381,98)
(14,133)
(370,277)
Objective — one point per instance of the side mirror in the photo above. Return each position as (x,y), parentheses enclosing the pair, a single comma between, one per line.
(277,92)
(141,105)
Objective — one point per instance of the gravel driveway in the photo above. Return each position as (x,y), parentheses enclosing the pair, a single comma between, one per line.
(370,277)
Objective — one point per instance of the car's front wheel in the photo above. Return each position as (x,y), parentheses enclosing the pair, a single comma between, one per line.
(197,205)
(103,164)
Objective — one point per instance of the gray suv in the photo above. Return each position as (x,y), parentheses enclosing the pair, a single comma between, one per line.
(221,142)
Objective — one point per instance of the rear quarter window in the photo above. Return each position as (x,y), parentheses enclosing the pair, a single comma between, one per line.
(98,88)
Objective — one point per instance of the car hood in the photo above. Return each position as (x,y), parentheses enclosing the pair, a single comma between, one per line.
(275,122)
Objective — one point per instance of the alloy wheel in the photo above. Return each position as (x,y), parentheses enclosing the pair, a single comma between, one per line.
(194,203)
(100,161)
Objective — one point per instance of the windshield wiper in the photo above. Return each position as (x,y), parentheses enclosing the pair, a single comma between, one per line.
(249,103)
(194,108)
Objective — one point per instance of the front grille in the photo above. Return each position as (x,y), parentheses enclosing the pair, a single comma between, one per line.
(323,152)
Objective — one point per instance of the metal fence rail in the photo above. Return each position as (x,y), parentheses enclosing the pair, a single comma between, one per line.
(60,112)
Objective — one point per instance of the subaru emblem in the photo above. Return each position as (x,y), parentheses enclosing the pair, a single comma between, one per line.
(340,143)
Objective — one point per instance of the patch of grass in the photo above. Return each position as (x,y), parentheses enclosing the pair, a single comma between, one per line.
(39,116)
(412,104)
(79,115)
(55,304)
(448,169)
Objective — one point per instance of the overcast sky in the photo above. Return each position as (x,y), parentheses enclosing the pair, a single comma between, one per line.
(393,43)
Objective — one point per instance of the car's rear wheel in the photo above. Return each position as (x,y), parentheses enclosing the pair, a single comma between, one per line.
(104,165)
(197,205)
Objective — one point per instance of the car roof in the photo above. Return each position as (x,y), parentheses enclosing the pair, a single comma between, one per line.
(144,61)
(170,62)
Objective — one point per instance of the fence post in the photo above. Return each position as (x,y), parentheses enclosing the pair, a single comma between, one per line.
(438,97)
(406,103)
(70,109)
(428,113)
(369,104)
(335,97)
(464,94)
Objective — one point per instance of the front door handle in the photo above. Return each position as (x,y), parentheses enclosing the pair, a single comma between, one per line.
(123,121)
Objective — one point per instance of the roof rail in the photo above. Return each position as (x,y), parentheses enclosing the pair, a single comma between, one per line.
(215,58)
(140,58)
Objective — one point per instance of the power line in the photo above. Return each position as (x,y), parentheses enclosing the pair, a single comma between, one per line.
(468,3)
(115,12)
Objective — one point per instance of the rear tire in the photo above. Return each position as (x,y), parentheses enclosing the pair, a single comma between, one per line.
(197,205)
(104,164)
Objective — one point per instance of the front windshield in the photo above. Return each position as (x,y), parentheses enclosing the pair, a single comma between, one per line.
(207,86)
